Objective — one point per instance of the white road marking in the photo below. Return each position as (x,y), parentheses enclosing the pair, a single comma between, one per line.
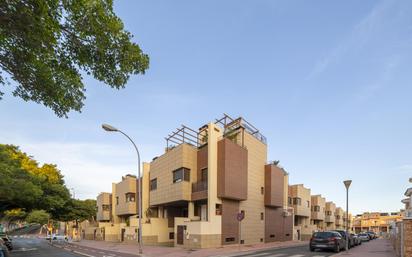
(25,250)
(318,256)
(84,254)
(297,255)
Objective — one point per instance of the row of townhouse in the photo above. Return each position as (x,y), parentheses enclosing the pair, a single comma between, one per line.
(193,194)
(378,222)
(314,213)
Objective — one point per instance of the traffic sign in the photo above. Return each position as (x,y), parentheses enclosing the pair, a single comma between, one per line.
(240,216)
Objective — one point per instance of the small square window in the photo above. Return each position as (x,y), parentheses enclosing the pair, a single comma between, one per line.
(171,235)
(218,209)
(262,190)
(153,184)
(261,216)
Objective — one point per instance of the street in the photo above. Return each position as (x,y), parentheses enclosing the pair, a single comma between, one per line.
(28,247)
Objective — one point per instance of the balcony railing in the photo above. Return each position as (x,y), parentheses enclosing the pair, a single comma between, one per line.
(199,186)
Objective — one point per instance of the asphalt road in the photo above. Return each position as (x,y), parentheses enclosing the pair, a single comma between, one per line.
(298,251)
(28,247)
(35,247)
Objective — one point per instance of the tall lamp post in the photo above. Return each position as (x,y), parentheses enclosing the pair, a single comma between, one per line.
(139,188)
(347,185)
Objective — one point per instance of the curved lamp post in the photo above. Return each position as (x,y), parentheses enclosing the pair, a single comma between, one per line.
(347,185)
(139,188)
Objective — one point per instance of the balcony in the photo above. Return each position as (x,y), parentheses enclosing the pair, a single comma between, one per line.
(317,215)
(199,190)
(103,215)
(329,218)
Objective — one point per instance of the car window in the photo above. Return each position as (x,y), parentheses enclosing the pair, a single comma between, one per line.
(323,234)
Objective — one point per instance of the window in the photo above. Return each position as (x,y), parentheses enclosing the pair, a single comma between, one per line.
(182,174)
(204,174)
(218,209)
(308,203)
(297,201)
(130,197)
(106,207)
(262,190)
(153,184)
(290,200)
(117,200)
(316,208)
(153,212)
(171,235)
(243,212)
(261,216)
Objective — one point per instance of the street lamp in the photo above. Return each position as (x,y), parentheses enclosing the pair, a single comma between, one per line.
(347,185)
(110,128)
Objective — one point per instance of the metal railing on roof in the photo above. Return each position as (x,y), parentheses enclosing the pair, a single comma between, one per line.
(183,135)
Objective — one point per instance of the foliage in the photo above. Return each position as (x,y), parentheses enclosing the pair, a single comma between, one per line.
(38,216)
(14,214)
(27,186)
(46,44)
(79,210)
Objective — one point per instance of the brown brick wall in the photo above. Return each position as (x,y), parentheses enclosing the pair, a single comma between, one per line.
(277,226)
(407,242)
(232,165)
(230,225)
(274,186)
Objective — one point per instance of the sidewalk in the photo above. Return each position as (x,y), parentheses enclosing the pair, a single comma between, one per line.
(155,251)
(375,248)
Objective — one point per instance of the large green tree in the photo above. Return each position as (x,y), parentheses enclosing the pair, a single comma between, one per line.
(38,216)
(45,44)
(27,185)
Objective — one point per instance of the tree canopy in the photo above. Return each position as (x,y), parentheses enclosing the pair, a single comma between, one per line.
(38,216)
(27,187)
(45,45)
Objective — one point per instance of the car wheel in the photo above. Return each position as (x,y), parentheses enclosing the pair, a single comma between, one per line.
(337,248)
(311,249)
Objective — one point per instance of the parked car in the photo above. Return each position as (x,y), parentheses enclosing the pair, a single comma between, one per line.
(7,241)
(357,240)
(59,237)
(364,237)
(328,240)
(4,252)
(346,236)
(372,235)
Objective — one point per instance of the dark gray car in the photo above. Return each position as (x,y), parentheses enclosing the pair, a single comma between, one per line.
(328,240)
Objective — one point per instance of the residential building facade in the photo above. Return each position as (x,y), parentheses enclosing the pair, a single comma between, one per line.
(300,199)
(194,193)
(318,204)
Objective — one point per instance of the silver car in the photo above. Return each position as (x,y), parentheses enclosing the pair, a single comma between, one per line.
(364,237)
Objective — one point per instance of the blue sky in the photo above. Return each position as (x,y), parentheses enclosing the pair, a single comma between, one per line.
(327,82)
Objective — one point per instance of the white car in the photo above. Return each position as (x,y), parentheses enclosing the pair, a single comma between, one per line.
(59,237)
(363,237)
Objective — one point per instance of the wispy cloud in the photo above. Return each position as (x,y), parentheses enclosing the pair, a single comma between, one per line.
(356,39)
(87,167)
(405,169)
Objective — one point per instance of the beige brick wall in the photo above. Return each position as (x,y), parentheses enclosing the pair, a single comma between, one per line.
(252,227)
(127,185)
(162,168)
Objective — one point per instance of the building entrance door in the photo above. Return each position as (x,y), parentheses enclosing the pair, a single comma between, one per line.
(180,234)
(122,235)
